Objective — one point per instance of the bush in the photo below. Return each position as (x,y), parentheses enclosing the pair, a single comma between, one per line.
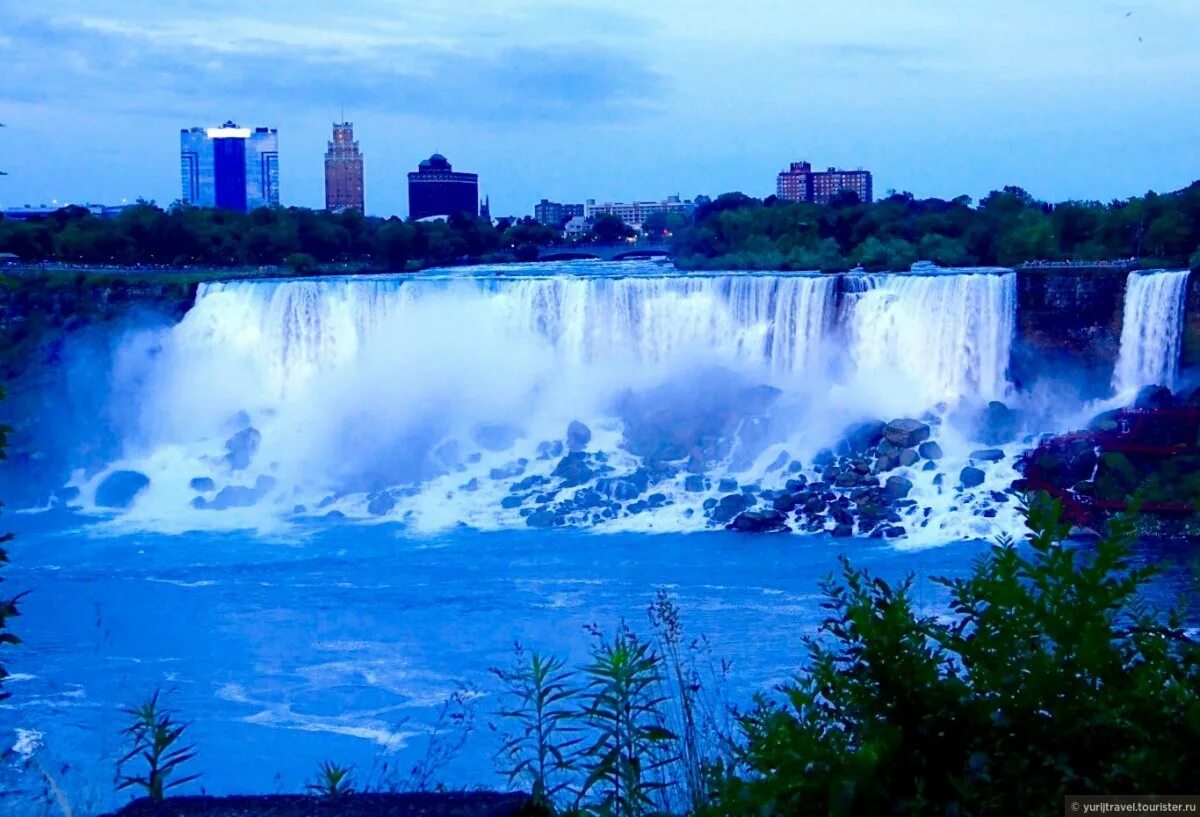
(1050,677)
(155,739)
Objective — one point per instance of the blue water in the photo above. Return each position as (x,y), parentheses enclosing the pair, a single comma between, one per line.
(344,642)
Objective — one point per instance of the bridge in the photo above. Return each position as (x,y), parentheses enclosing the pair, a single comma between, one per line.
(636,251)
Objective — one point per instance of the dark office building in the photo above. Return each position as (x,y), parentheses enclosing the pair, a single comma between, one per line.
(554,214)
(801,183)
(436,190)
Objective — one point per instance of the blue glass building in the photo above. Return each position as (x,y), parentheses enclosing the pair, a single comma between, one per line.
(229,167)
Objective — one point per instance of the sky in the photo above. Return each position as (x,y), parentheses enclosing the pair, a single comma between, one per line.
(1071,99)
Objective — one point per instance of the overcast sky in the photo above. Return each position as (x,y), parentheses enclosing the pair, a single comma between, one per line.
(616,101)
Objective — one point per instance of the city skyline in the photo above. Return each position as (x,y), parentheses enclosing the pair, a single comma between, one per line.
(1079,101)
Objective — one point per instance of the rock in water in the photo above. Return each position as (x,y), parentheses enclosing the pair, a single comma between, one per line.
(730,506)
(573,469)
(930,450)
(202,484)
(906,433)
(120,488)
(1154,397)
(998,424)
(241,447)
(859,438)
(970,477)
(578,436)
(988,455)
(896,488)
(765,521)
(381,504)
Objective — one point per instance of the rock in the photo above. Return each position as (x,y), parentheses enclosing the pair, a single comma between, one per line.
(842,531)
(578,436)
(841,515)
(727,484)
(997,424)
(785,503)
(333,515)
(987,455)
(513,501)
(886,463)
(765,521)
(906,433)
(544,518)
(233,496)
(202,484)
(573,469)
(930,450)
(779,462)
(896,488)
(795,467)
(299,509)
(815,505)
(729,506)
(823,458)
(381,504)
(495,437)
(508,471)
(1191,399)
(908,458)
(970,477)
(860,438)
(1154,397)
(120,488)
(241,448)
(895,531)
(549,450)
(470,485)
(1116,477)
(929,465)
(694,483)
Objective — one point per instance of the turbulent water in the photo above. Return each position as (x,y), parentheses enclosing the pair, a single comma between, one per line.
(1151,330)
(335,484)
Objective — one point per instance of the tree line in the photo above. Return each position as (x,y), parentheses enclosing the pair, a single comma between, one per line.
(733,231)
(1006,228)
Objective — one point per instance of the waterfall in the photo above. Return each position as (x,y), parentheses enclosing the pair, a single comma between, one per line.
(1151,330)
(941,337)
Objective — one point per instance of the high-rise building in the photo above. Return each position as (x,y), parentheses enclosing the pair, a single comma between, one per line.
(801,183)
(553,214)
(343,170)
(436,190)
(229,167)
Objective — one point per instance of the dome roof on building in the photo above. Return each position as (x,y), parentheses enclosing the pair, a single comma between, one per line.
(436,162)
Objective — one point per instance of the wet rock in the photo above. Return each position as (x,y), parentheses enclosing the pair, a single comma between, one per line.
(815,505)
(896,488)
(578,436)
(529,483)
(860,438)
(496,437)
(785,503)
(1154,397)
(842,531)
(906,433)
(120,488)
(382,504)
(987,455)
(507,471)
(241,448)
(202,484)
(895,531)
(765,521)
(470,485)
(729,506)
(694,483)
(886,463)
(299,509)
(970,477)
(573,469)
(233,496)
(908,458)
(823,458)
(779,462)
(841,515)
(332,515)
(930,450)
(544,518)
(795,467)
(1190,399)
(997,424)
(709,504)
(797,484)
(930,465)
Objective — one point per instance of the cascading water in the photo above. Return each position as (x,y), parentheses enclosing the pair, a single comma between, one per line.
(443,399)
(1151,330)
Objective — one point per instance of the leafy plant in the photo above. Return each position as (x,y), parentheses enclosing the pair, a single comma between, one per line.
(631,746)
(543,749)
(453,726)
(332,781)
(155,738)
(1049,676)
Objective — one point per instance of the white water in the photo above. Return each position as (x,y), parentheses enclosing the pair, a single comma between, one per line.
(1151,330)
(367,383)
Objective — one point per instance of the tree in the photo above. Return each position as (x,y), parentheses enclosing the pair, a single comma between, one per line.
(609,229)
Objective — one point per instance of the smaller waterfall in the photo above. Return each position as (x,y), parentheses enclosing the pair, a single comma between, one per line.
(1151,330)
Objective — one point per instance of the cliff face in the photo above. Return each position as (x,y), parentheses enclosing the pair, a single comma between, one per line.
(1069,318)
(1191,331)
(38,311)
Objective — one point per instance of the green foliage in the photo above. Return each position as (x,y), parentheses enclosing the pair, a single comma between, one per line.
(1008,227)
(543,748)
(155,741)
(331,781)
(631,746)
(609,229)
(300,263)
(1049,676)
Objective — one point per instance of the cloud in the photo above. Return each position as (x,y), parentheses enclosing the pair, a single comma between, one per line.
(167,67)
